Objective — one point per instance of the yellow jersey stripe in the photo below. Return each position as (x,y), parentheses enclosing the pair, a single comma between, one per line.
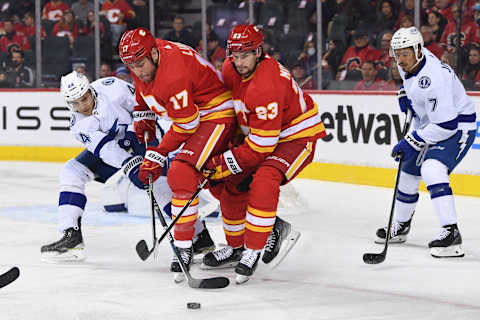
(234,233)
(229,113)
(298,162)
(265,133)
(182,202)
(253,228)
(258,148)
(186,219)
(233,222)
(217,100)
(311,132)
(261,213)
(210,145)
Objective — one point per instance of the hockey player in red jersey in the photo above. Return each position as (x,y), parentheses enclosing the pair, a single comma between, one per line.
(173,81)
(280,126)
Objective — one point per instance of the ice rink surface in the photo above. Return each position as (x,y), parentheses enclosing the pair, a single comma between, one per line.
(323,277)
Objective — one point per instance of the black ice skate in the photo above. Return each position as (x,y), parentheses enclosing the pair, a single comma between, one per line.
(448,243)
(186,255)
(225,257)
(398,232)
(247,265)
(202,242)
(279,243)
(69,248)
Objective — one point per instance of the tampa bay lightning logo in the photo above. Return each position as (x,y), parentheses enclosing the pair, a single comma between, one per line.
(108,82)
(424,82)
(72,120)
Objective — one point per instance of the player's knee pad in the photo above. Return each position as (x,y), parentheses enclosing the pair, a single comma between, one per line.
(434,172)
(74,175)
(408,188)
(182,178)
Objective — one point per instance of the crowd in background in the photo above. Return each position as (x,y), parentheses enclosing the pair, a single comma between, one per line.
(356,35)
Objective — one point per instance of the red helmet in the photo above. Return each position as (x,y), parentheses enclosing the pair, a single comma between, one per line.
(244,38)
(135,45)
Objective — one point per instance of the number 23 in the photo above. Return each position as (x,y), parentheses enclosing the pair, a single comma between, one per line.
(270,111)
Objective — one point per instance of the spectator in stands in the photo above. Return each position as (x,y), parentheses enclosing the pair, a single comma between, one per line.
(218,64)
(214,51)
(29,28)
(300,75)
(105,70)
(12,37)
(443,8)
(394,79)
(19,75)
(89,28)
(355,55)
(80,10)
(141,14)
(450,58)
(3,78)
(468,30)
(429,41)
(471,74)
(386,18)
(408,10)
(406,21)
(438,23)
(370,80)
(81,67)
(385,60)
(179,33)
(123,73)
(66,27)
(19,8)
(332,58)
(118,13)
(54,10)
(308,57)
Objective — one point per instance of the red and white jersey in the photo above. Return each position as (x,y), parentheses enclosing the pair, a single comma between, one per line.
(354,57)
(114,8)
(377,85)
(53,11)
(16,39)
(271,108)
(467,34)
(187,90)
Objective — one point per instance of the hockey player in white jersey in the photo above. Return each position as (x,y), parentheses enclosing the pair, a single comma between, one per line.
(444,127)
(101,118)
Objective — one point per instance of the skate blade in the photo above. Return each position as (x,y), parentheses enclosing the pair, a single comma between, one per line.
(229,265)
(448,252)
(241,279)
(72,255)
(397,239)
(178,277)
(205,250)
(287,245)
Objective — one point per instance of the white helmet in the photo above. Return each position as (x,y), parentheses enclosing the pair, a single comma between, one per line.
(73,86)
(406,38)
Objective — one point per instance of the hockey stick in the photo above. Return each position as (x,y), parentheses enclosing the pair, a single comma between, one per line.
(208,283)
(376,258)
(9,276)
(142,248)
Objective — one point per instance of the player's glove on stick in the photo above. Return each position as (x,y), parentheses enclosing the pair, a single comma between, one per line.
(131,167)
(408,147)
(152,164)
(222,166)
(403,101)
(143,121)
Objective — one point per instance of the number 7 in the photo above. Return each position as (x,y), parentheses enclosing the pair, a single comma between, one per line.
(433,101)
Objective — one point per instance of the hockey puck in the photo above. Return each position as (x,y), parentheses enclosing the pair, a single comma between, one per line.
(193,305)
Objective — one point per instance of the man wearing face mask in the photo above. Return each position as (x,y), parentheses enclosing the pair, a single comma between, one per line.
(19,75)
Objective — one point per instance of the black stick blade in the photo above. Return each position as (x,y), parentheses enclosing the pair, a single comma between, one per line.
(211,283)
(142,250)
(373,258)
(9,276)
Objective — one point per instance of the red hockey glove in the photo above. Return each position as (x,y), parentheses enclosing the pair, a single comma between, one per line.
(152,164)
(221,166)
(143,121)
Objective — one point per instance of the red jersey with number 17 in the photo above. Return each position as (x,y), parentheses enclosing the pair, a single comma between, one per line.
(271,108)
(187,90)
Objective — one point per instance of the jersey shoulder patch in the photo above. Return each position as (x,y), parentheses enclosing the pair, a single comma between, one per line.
(424,82)
(108,81)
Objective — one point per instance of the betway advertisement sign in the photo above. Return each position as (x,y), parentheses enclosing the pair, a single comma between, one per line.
(363,128)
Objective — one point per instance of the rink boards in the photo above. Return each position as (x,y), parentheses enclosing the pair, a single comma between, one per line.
(361,128)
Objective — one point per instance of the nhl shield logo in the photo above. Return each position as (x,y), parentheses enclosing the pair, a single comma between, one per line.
(424,82)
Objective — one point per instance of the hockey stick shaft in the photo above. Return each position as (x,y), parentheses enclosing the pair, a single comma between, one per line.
(151,196)
(185,207)
(374,258)
(209,283)
(9,276)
